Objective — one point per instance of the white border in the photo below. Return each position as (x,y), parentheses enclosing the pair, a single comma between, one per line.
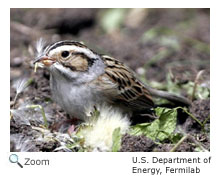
(103,164)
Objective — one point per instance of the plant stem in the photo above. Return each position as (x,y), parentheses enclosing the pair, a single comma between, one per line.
(179,143)
(15,100)
(204,122)
(192,116)
(197,143)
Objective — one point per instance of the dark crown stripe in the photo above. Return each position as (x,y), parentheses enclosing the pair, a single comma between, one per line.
(61,43)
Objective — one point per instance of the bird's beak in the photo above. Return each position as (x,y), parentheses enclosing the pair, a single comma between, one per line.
(47,61)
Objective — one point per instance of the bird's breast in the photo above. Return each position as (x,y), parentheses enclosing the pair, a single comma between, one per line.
(74,99)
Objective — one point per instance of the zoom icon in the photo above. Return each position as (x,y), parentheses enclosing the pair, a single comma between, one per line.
(13,158)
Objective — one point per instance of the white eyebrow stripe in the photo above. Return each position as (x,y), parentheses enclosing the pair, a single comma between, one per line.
(77,49)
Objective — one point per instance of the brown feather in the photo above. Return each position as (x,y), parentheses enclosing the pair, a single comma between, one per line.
(124,86)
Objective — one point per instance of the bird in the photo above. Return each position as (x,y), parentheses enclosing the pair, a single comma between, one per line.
(81,78)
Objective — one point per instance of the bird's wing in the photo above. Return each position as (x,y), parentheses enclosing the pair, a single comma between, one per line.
(122,86)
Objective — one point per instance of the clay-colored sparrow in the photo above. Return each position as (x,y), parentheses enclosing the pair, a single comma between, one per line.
(81,78)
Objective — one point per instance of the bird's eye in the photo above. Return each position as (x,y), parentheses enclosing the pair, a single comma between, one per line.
(65,54)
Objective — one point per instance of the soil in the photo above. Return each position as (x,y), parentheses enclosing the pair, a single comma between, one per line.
(136,144)
(184,33)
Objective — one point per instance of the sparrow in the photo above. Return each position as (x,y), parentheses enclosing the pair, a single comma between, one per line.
(81,78)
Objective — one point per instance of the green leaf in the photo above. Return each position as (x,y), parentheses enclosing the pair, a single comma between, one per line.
(116,140)
(175,138)
(167,122)
(140,129)
(160,129)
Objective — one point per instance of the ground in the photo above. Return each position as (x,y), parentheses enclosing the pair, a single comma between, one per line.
(167,48)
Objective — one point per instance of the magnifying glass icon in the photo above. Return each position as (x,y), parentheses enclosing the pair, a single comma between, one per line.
(13,158)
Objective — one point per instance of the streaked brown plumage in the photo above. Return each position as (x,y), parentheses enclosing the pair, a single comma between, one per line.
(81,78)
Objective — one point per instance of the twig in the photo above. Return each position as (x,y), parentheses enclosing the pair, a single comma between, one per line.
(179,143)
(192,139)
(197,143)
